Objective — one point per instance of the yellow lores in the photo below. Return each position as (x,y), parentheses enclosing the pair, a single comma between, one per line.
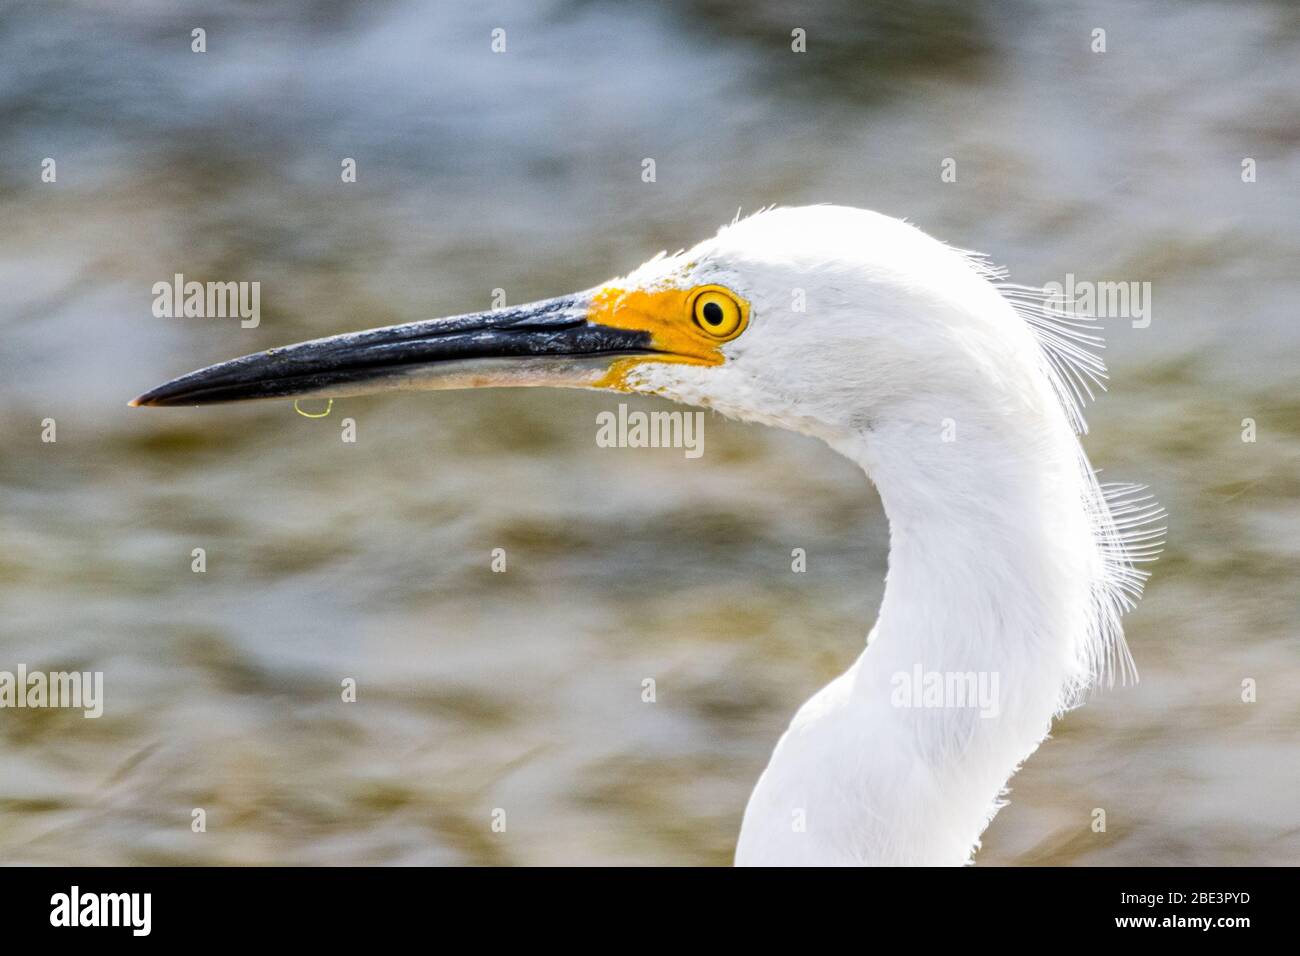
(685,325)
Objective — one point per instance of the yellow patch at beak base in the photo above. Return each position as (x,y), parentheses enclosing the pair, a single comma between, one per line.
(667,315)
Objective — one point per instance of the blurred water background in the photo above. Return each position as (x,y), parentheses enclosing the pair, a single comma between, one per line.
(523,171)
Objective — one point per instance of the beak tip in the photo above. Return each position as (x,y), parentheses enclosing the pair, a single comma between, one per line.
(150,399)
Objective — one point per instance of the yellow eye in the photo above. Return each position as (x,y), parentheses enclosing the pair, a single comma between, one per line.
(718,312)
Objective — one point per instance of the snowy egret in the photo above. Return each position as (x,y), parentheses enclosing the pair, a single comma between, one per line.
(1009,565)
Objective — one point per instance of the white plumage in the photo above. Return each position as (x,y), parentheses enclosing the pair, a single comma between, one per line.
(1006,558)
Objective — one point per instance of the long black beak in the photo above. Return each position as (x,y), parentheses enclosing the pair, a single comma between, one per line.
(543,343)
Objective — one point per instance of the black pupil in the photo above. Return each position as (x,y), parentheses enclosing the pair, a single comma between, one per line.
(712,313)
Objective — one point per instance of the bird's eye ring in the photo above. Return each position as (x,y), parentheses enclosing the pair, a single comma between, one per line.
(719,313)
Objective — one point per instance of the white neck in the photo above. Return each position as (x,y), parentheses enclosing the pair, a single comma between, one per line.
(992,555)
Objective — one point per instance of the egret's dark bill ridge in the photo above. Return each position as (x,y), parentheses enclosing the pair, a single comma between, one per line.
(554,328)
